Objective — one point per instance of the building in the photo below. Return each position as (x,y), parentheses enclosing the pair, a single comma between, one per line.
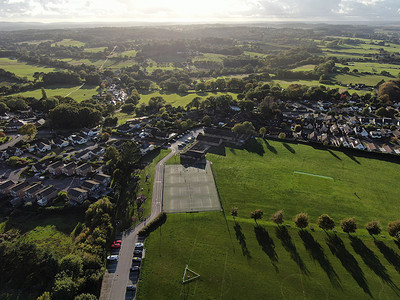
(84,170)
(55,168)
(46,195)
(91,186)
(30,193)
(77,195)
(102,178)
(69,169)
(6,186)
(18,190)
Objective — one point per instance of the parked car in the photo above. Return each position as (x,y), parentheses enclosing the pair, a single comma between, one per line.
(131,288)
(135,268)
(138,252)
(112,257)
(137,259)
(139,245)
(116,245)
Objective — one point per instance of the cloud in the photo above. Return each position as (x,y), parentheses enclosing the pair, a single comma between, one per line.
(205,10)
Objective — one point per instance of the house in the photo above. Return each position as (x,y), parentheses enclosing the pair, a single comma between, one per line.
(14,125)
(386,149)
(102,178)
(98,151)
(55,168)
(46,194)
(91,132)
(209,140)
(42,147)
(77,195)
(6,186)
(375,134)
(371,147)
(356,144)
(124,128)
(60,143)
(40,123)
(77,139)
(69,169)
(361,132)
(334,129)
(91,186)
(30,193)
(84,169)
(18,190)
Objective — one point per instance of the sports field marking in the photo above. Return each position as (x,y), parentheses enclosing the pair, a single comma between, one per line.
(314,175)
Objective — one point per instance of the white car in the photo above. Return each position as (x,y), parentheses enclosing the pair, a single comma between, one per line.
(139,245)
(112,257)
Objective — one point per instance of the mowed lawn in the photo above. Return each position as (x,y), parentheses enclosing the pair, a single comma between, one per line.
(79,94)
(23,69)
(266,180)
(242,261)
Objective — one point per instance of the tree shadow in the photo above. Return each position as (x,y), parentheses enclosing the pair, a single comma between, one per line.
(348,261)
(283,234)
(372,261)
(351,156)
(270,147)
(317,253)
(334,155)
(242,240)
(267,245)
(287,146)
(391,256)
(254,146)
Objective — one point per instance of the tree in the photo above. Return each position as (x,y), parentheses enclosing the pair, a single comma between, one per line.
(301,220)
(130,154)
(64,288)
(282,136)
(244,128)
(44,94)
(3,108)
(277,217)
(44,296)
(325,222)
(373,228)
(85,297)
(297,128)
(382,112)
(393,228)
(104,137)
(263,131)
(28,129)
(128,108)
(200,87)
(206,120)
(348,225)
(183,88)
(234,212)
(72,265)
(256,215)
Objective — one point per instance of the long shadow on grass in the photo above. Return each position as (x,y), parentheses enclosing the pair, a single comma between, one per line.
(267,244)
(348,261)
(317,253)
(334,155)
(372,261)
(242,240)
(287,146)
(283,234)
(351,156)
(391,256)
(254,146)
(270,147)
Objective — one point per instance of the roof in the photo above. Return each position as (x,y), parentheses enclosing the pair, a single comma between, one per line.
(41,145)
(69,166)
(48,191)
(76,192)
(34,188)
(20,186)
(6,184)
(101,177)
(84,166)
(89,184)
(56,164)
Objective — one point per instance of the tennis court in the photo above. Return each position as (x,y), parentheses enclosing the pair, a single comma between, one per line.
(189,189)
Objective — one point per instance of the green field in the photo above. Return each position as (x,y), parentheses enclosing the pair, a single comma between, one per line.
(23,69)
(304,68)
(69,43)
(180,100)
(372,67)
(237,260)
(86,92)
(94,50)
(370,80)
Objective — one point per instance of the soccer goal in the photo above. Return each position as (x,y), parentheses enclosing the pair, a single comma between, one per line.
(189,275)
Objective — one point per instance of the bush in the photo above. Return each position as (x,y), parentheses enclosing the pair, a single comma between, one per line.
(153,225)
(277,217)
(325,222)
(301,220)
(373,227)
(394,228)
(348,225)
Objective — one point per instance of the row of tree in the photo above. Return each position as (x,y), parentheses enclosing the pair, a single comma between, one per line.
(326,222)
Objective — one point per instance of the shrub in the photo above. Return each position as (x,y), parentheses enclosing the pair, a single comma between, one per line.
(325,222)
(301,220)
(394,228)
(257,214)
(153,225)
(277,217)
(348,225)
(373,228)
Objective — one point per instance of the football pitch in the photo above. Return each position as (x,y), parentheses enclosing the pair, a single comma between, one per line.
(189,189)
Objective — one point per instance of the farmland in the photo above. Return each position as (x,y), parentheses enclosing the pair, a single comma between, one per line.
(22,69)
(79,94)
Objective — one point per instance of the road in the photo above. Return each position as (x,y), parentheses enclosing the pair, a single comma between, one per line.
(117,275)
(115,282)
(15,139)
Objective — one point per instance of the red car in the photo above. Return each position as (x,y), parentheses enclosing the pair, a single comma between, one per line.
(116,245)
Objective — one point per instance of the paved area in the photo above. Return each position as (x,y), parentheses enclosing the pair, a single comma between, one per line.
(190,189)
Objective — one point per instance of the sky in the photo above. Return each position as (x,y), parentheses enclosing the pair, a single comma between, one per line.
(199,11)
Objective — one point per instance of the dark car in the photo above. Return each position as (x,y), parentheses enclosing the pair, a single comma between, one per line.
(138,252)
(131,288)
(135,268)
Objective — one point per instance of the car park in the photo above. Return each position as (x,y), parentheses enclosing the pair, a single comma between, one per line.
(112,258)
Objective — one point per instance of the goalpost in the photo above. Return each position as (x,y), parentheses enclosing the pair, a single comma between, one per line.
(189,275)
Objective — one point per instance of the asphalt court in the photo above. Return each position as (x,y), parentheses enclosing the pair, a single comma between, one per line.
(189,189)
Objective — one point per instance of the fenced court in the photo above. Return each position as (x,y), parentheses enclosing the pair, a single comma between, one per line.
(189,189)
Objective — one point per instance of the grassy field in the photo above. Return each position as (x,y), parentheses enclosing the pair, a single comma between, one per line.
(22,69)
(356,78)
(179,100)
(372,67)
(304,68)
(94,50)
(86,92)
(238,260)
(69,43)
